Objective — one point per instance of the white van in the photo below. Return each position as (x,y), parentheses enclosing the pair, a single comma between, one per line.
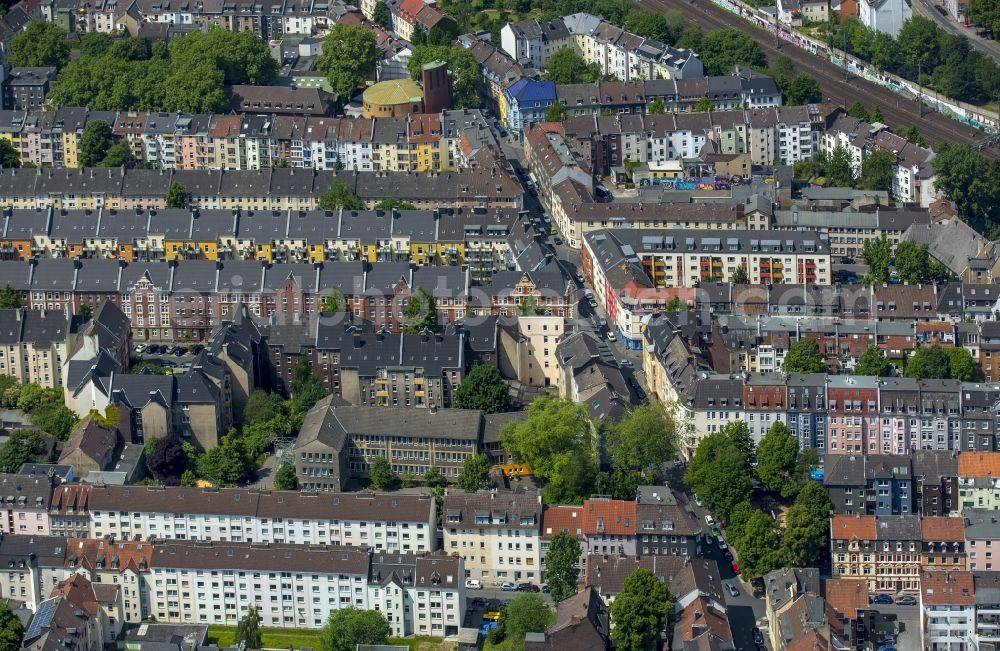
(473,584)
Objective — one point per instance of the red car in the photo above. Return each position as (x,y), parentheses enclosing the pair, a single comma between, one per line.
(736,567)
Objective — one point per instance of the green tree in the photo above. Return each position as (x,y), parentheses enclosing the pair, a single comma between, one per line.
(285,479)
(525,613)
(381,474)
(719,472)
(334,302)
(420,313)
(394,204)
(650,25)
(94,143)
(804,356)
(639,613)
(723,49)
(805,540)
(262,406)
(929,362)
(984,13)
(11,630)
(858,110)
(227,464)
(529,307)
(22,446)
(556,112)
(877,253)
(483,388)
(380,15)
(776,456)
(177,195)
(873,362)
(9,157)
(340,196)
(555,440)
(241,56)
(195,89)
(914,264)
(703,105)
(346,628)
(562,565)
(95,44)
(803,89)
(566,66)
(877,171)
(739,276)
(350,53)
(877,116)
(676,304)
(248,629)
(10,298)
(656,107)
(475,473)
(839,169)
(118,155)
(757,544)
(306,388)
(911,134)
(462,66)
(961,365)
(41,43)
(973,183)
(642,441)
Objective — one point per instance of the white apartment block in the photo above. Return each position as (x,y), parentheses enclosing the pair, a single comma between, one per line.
(948,609)
(382,522)
(496,534)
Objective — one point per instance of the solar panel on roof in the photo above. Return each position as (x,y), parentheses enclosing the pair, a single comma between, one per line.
(42,618)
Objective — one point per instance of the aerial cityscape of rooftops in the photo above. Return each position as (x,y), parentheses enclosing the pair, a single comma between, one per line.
(438,325)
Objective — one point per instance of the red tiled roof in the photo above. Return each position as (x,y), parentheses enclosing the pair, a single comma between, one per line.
(947,588)
(940,528)
(846,596)
(611,517)
(558,517)
(845,527)
(979,464)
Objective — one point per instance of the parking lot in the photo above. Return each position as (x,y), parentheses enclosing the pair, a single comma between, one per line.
(169,356)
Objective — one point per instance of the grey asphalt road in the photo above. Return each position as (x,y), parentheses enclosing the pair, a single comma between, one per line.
(928,9)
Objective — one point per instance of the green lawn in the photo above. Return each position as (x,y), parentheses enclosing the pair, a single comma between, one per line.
(273,638)
(423,643)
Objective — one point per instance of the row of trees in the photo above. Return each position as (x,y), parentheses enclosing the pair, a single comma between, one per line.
(836,169)
(922,52)
(723,471)
(928,362)
(966,177)
(187,76)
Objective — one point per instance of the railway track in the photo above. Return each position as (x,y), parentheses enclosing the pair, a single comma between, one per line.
(897,110)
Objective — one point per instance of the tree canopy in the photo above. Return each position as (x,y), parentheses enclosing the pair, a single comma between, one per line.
(873,362)
(40,44)
(248,629)
(722,49)
(804,356)
(10,298)
(804,541)
(555,440)
(475,473)
(166,460)
(9,155)
(94,143)
(381,474)
(638,445)
(22,446)
(177,195)
(877,253)
(562,565)
(421,313)
(525,613)
(350,53)
(720,471)
(754,534)
(346,628)
(935,362)
(285,479)
(483,388)
(915,265)
(340,196)
(966,177)
(877,171)
(566,66)
(640,611)
(11,629)
(776,456)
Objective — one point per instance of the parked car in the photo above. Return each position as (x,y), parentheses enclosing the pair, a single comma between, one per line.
(558,240)
(507,586)
(152,349)
(697,500)
(882,599)
(733,591)
(473,584)
(140,348)
(906,600)
(627,362)
(527,587)
(728,555)
(592,301)
(632,382)
(735,567)
(579,277)
(758,638)
(722,544)
(709,519)
(181,350)
(611,336)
